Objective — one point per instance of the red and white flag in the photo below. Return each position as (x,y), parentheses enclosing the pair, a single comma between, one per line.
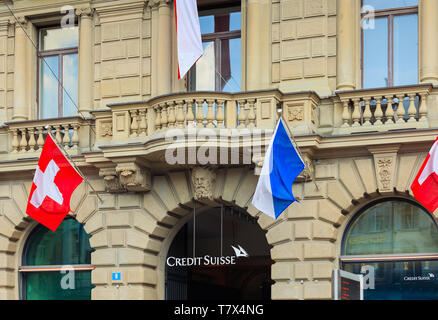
(53,184)
(425,184)
(188,33)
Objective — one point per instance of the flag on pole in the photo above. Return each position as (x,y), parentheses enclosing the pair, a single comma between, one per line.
(425,185)
(188,34)
(54,182)
(281,166)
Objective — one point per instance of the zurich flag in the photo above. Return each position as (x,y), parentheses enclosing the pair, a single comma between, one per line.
(281,166)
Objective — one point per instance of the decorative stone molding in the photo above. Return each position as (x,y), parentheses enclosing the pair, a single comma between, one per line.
(385,158)
(86,12)
(157,3)
(111,180)
(133,177)
(106,129)
(203,180)
(295,113)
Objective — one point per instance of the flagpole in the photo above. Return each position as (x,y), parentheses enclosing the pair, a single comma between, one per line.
(298,149)
(61,148)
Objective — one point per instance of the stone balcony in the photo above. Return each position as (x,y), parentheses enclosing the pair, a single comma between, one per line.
(131,140)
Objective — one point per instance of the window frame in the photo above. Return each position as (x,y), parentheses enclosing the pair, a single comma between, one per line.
(389,14)
(43,54)
(383,257)
(216,38)
(23,269)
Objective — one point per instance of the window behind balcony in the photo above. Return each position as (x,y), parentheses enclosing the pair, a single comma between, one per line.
(390,44)
(57,72)
(219,69)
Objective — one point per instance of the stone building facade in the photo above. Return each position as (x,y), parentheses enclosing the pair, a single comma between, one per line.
(299,58)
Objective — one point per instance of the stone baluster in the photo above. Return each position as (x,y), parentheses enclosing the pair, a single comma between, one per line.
(389,111)
(346,115)
(400,110)
(23,141)
(356,113)
(199,113)
(143,123)
(190,116)
(40,140)
(251,114)
(164,119)
(58,136)
(367,112)
(67,139)
(32,141)
(15,143)
(157,109)
(422,110)
(75,137)
(172,116)
(378,114)
(220,118)
(412,110)
(242,114)
(180,114)
(210,114)
(134,123)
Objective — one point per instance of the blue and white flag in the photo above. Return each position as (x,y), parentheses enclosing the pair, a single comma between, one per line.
(281,166)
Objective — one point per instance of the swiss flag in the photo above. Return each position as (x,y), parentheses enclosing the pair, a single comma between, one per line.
(53,184)
(425,185)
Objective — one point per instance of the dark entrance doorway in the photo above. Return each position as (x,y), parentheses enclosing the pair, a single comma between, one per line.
(245,274)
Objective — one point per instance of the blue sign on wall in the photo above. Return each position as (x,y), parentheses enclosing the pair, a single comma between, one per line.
(117,276)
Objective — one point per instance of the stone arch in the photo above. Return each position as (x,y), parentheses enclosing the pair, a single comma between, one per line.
(15,226)
(171,201)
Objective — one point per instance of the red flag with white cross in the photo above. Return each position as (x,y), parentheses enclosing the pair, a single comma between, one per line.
(54,182)
(425,185)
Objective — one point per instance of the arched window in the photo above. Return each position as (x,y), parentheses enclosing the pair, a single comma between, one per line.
(395,244)
(57,265)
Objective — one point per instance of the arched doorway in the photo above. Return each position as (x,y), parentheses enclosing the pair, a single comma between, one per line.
(217,270)
(394,242)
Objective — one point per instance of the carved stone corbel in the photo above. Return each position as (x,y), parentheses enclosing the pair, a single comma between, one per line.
(309,171)
(86,12)
(306,175)
(111,180)
(133,177)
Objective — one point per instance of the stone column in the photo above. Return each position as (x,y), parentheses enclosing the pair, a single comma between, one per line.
(345,30)
(164,49)
(86,66)
(428,21)
(21,107)
(258,44)
(154,48)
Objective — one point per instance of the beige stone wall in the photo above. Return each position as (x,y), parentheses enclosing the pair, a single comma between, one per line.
(122,55)
(304,45)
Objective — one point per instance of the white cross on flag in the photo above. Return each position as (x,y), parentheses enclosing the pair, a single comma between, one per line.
(54,182)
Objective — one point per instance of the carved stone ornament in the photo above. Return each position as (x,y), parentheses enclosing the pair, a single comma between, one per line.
(296,113)
(84,12)
(111,180)
(133,177)
(106,129)
(203,180)
(385,175)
